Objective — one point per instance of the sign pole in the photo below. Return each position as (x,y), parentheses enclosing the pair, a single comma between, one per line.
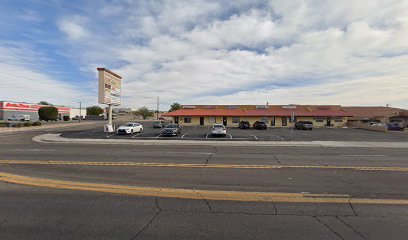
(110,114)
(80,111)
(293,125)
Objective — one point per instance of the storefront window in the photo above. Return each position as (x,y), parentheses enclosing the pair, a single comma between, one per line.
(235,119)
(339,119)
(187,119)
(319,119)
(211,119)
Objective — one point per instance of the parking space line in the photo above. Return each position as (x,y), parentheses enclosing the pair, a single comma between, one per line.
(136,135)
(158,135)
(207,135)
(230,135)
(109,135)
(254,137)
(184,135)
(281,138)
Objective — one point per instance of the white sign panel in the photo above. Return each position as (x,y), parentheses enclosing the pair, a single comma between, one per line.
(109,87)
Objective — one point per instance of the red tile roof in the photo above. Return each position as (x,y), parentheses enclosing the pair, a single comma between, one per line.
(258,113)
(206,112)
(376,112)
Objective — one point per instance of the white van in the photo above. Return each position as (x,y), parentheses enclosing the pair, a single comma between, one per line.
(19,118)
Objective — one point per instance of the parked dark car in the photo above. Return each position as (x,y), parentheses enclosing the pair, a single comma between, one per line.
(260,125)
(394,126)
(304,125)
(159,124)
(244,125)
(171,130)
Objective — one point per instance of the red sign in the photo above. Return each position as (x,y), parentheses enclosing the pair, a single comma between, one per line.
(28,107)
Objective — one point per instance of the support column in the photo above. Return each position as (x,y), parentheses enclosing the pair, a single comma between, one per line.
(110,114)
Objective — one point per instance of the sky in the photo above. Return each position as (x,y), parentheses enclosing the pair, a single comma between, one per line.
(349,52)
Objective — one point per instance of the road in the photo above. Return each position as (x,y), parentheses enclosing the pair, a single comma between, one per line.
(90,191)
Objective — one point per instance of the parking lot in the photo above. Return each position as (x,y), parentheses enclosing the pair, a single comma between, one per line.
(236,134)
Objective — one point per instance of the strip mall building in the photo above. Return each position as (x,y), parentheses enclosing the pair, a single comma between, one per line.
(9,109)
(273,115)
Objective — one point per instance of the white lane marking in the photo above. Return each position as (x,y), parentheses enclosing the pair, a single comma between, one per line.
(362,155)
(198,153)
(158,135)
(254,137)
(207,135)
(184,135)
(33,150)
(230,135)
(109,135)
(281,138)
(136,135)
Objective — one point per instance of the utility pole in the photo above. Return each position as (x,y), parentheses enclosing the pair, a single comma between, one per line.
(157,110)
(80,111)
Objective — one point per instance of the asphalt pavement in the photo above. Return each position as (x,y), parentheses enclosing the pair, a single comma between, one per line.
(203,133)
(86,191)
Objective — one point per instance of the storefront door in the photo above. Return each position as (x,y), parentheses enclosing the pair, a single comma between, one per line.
(328,121)
(176,120)
(201,121)
(284,121)
(224,121)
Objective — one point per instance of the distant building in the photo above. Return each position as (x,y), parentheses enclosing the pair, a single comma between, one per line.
(74,112)
(9,109)
(273,115)
(378,114)
(122,110)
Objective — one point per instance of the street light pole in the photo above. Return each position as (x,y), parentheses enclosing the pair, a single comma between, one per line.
(80,111)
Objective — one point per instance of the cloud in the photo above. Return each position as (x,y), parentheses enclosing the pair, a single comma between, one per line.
(73,27)
(333,52)
(31,16)
(22,79)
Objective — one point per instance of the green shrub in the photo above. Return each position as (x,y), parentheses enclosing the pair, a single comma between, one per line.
(4,124)
(48,113)
(66,118)
(38,123)
(17,125)
(94,110)
(27,124)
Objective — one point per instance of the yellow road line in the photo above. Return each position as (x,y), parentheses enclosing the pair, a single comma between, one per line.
(194,165)
(195,193)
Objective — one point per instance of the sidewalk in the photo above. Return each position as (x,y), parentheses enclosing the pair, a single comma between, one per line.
(56,138)
(46,126)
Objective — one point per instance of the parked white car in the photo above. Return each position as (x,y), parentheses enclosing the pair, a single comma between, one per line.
(19,118)
(130,128)
(218,129)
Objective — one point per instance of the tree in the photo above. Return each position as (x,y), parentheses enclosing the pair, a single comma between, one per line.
(44,103)
(48,113)
(94,111)
(174,107)
(144,112)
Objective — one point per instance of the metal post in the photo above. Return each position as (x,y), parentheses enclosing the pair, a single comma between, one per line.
(80,111)
(110,114)
(292,118)
(157,110)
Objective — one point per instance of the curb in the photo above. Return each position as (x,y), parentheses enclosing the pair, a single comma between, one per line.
(45,126)
(56,138)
